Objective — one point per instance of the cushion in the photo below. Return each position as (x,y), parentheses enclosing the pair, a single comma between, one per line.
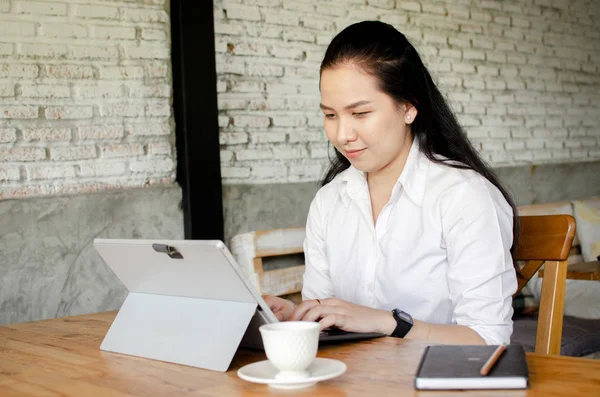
(581,297)
(588,229)
(547,209)
(580,337)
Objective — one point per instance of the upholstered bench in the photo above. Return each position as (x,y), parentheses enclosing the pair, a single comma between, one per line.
(580,336)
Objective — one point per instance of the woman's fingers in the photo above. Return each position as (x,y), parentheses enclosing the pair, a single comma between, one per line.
(320,311)
(280,315)
(301,310)
(281,308)
(329,321)
(335,312)
(271,301)
(322,304)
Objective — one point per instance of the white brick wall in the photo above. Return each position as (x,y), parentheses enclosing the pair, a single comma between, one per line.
(85,96)
(523,77)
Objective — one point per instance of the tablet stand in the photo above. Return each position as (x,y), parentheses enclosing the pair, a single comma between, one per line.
(197,332)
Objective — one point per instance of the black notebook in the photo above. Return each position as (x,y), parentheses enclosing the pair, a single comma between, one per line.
(457,367)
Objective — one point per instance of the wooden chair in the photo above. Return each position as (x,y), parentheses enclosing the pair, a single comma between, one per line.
(253,249)
(546,240)
(578,269)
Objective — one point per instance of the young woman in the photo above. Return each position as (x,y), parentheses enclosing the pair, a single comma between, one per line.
(411,233)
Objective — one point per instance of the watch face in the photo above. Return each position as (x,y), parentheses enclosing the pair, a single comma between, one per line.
(404,316)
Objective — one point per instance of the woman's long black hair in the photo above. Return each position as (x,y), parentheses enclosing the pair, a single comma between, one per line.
(386,54)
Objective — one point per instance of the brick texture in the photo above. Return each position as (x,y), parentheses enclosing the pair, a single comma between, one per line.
(85,93)
(521,75)
(85,87)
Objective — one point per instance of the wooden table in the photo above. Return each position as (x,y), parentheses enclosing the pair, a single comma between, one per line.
(61,357)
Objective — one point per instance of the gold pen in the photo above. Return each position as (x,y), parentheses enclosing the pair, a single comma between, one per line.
(489,364)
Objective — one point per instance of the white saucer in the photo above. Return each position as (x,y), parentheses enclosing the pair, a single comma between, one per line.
(265,372)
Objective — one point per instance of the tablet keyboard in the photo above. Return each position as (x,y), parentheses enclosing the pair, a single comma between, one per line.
(336,334)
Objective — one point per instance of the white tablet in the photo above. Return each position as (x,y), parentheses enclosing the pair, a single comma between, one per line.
(203,270)
(188,268)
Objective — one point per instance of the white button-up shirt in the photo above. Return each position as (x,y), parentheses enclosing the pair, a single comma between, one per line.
(440,249)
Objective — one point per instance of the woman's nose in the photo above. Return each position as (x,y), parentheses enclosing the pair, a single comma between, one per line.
(346,132)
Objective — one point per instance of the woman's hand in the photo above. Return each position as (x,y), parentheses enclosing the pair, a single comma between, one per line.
(344,315)
(281,308)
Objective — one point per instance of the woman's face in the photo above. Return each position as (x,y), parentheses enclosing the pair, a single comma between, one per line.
(366,125)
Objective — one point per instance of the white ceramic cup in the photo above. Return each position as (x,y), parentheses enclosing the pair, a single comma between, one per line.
(291,346)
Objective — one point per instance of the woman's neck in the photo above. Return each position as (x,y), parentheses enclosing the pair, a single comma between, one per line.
(385,179)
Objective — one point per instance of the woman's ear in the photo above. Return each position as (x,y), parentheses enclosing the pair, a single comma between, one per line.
(410,113)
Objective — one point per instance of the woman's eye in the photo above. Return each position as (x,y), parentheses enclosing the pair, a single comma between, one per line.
(359,114)
(329,115)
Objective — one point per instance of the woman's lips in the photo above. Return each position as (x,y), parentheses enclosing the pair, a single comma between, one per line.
(352,154)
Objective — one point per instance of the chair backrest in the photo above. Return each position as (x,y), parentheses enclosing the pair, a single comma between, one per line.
(555,208)
(543,238)
(546,240)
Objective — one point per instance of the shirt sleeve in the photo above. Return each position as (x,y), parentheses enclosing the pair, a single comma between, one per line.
(317,280)
(477,232)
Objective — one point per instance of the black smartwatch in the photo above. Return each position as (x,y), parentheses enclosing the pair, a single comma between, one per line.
(404,323)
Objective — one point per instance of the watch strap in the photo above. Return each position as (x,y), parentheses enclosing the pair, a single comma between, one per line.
(403,326)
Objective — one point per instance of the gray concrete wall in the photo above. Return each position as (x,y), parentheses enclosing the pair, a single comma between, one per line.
(552,182)
(268,206)
(48,266)
(257,207)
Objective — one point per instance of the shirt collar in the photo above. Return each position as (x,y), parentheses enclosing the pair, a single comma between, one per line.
(412,180)
(354,185)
